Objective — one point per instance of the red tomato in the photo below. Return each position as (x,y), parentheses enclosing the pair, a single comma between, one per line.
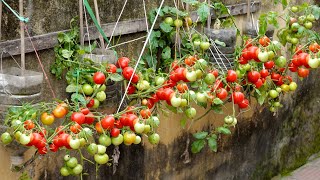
(123,62)
(253,76)
(42,150)
(242,60)
(115,132)
(181,74)
(130,110)
(174,77)
(107,122)
(99,78)
(124,119)
(111,68)
(237,97)
(189,60)
(275,77)
(60,111)
(222,93)
(248,43)
(145,113)
(170,83)
(264,73)
(159,94)
(63,139)
(127,72)
(302,72)
(314,47)
(90,102)
(182,87)
(53,148)
(85,111)
(280,81)
(131,89)
(167,93)
(150,104)
(99,128)
(76,128)
(269,65)
(253,53)
(89,118)
(78,117)
(302,58)
(264,41)
(295,60)
(59,130)
(174,65)
(35,139)
(135,78)
(28,124)
(245,54)
(131,118)
(258,84)
(231,76)
(244,104)
(118,124)
(217,85)
(215,72)
(154,98)
(298,49)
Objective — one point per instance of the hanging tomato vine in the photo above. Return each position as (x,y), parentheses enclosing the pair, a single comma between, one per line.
(175,72)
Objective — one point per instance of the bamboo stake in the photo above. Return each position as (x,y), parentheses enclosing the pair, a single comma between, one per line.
(98,19)
(209,17)
(23,65)
(81,22)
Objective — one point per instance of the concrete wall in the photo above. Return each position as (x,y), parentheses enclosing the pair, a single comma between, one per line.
(261,146)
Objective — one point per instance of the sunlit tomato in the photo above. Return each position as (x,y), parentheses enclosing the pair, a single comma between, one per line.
(244,104)
(181,74)
(130,119)
(84,111)
(60,130)
(78,117)
(237,97)
(280,81)
(298,49)
(135,78)
(253,76)
(302,72)
(76,128)
(145,113)
(124,119)
(99,78)
(231,76)
(222,93)
(150,104)
(245,54)
(182,87)
(167,93)
(43,132)
(43,150)
(115,132)
(28,124)
(59,111)
(47,119)
(35,139)
(111,68)
(108,122)
(98,128)
(189,60)
(123,62)
(302,58)
(154,98)
(53,148)
(269,65)
(174,77)
(160,94)
(118,124)
(63,139)
(264,73)
(127,72)
(131,89)
(217,85)
(264,41)
(258,83)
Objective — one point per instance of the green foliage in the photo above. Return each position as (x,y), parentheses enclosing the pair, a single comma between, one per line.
(267,18)
(203,12)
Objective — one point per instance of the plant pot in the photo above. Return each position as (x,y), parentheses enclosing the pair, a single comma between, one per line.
(12,81)
(100,55)
(250,31)
(228,36)
(19,99)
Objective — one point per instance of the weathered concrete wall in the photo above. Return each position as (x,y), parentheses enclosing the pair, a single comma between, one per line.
(261,146)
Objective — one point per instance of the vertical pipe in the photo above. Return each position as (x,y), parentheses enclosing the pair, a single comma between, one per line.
(96,9)
(248,10)
(81,22)
(23,65)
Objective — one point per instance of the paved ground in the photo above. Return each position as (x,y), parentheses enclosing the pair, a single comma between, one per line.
(309,171)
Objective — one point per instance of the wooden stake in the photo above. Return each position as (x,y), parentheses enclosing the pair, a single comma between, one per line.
(81,22)
(248,10)
(209,17)
(23,63)
(0,18)
(96,9)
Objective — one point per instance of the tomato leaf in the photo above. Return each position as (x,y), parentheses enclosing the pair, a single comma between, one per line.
(224,130)
(115,77)
(200,135)
(60,37)
(213,145)
(66,53)
(203,12)
(78,98)
(71,88)
(217,101)
(220,43)
(166,27)
(166,53)
(217,109)
(171,108)
(154,39)
(202,104)
(197,145)
(316,11)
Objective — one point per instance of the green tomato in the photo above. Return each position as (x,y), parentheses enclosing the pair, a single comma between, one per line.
(101,158)
(66,157)
(278,89)
(209,79)
(138,127)
(175,101)
(294,9)
(199,73)
(117,140)
(201,64)
(308,25)
(196,42)
(184,103)
(273,93)
(74,143)
(281,62)
(17,135)
(101,96)
(6,138)
(78,169)
(138,140)
(24,139)
(169,21)
(92,149)
(293,86)
(178,23)
(72,162)
(201,97)
(204,45)
(302,19)
(101,149)
(311,18)
(294,40)
(104,140)
(159,80)
(271,55)
(64,171)
(191,112)
(102,87)
(154,138)
(146,129)
(228,119)
(87,89)
(277,104)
